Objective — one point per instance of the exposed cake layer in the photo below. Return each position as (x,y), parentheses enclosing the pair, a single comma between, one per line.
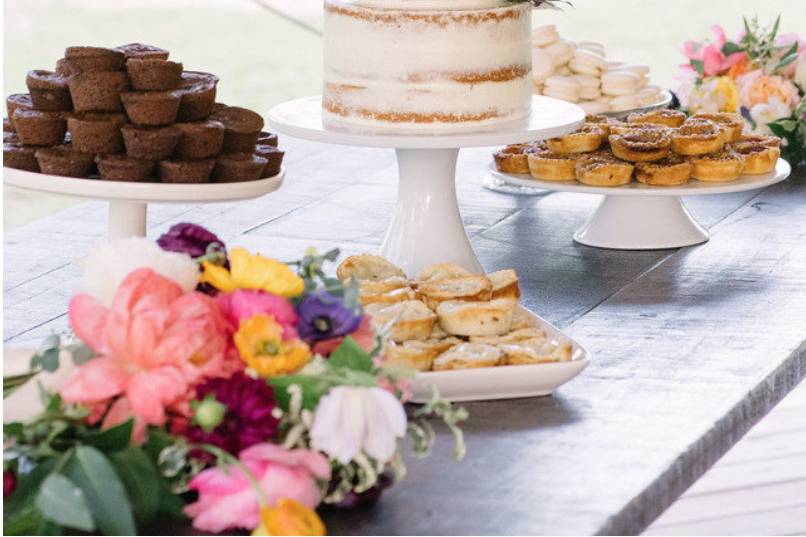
(429,69)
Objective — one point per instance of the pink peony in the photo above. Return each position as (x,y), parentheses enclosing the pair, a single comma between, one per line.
(714,61)
(757,88)
(227,499)
(363,335)
(154,343)
(246,303)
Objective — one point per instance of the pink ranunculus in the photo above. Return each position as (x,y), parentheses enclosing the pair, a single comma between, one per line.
(154,343)
(246,303)
(227,499)
(363,335)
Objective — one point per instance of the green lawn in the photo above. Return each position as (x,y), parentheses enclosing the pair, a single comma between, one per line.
(263,60)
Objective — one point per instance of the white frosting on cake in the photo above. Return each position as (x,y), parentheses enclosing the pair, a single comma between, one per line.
(417,65)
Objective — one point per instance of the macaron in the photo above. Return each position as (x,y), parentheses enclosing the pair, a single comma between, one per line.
(619,83)
(542,65)
(624,102)
(543,36)
(562,87)
(562,51)
(639,69)
(592,46)
(594,107)
(586,62)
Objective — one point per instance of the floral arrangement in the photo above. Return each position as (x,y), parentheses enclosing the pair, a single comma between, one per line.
(220,385)
(760,74)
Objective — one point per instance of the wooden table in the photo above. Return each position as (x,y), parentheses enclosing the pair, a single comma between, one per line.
(691,347)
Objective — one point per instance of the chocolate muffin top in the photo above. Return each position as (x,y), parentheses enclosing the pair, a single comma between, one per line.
(46,80)
(30,113)
(81,59)
(141,50)
(64,153)
(191,78)
(20,100)
(238,119)
(88,52)
(149,96)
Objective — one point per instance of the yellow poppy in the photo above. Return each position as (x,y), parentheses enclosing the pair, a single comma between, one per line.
(253,271)
(289,518)
(260,344)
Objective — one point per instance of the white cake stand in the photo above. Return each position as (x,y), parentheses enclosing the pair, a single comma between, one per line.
(128,201)
(642,217)
(426,227)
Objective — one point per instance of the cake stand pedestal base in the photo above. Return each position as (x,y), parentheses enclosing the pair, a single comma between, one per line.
(127,219)
(645,223)
(427,208)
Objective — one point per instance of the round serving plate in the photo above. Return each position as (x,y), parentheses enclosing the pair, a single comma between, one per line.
(664,220)
(142,191)
(128,200)
(508,381)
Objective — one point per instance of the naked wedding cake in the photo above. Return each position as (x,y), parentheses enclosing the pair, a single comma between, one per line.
(426,66)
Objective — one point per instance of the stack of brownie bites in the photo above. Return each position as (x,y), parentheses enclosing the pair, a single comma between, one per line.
(130,114)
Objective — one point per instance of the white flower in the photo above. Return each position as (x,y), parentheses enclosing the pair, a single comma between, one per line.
(110,262)
(768,112)
(351,419)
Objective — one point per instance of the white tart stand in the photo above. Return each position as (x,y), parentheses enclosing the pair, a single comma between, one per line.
(128,201)
(642,217)
(426,227)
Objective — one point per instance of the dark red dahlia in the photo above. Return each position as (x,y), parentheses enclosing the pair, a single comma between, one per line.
(233,413)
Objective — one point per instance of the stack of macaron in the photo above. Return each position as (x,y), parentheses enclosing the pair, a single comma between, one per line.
(581,73)
(131,114)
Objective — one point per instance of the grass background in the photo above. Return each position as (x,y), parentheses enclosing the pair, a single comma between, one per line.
(263,60)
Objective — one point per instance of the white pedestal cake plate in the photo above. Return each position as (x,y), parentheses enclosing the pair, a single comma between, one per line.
(427,227)
(128,201)
(642,217)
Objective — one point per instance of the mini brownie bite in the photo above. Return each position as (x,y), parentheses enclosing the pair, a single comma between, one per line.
(140,50)
(48,91)
(97,91)
(95,132)
(274,159)
(150,143)
(242,128)
(63,68)
(151,107)
(35,127)
(92,59)
(148,74)
(7,126)
(16,155)
(201,139)
(63,160)
(267,138)
(197,91)
(18,100)
(124,168)
(236,167)
(11,136)
(186,171)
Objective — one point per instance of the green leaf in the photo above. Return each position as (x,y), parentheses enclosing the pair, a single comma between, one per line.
(142,482)
(778,130)
(350,355)
(112,439)
(25,521)
(93,473)
(731,48)
(313,388)
(15,429)
(27,487)
(698,66)
(788,125)
(62,502)
(80,353)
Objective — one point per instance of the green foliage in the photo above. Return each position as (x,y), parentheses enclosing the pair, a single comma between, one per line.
(62,502)
(93,473)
